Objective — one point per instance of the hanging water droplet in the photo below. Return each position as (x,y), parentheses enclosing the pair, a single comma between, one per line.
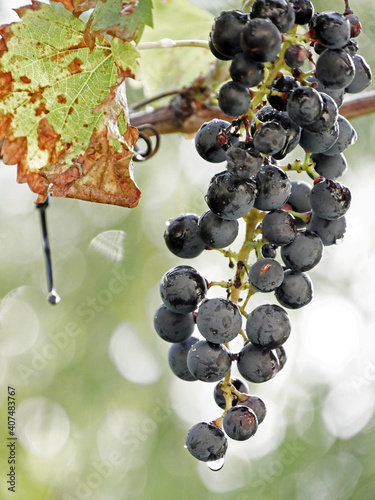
(216,465)
(53,297)
(185,446)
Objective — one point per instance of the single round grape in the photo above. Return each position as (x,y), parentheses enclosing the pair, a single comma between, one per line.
(206,442)
(346,137)
(208,362)
(256,364)
(182,238)
(226,32)
(284,84)
(268,251)
(304,252)
(362,77)
(329,167)
(305,105)
(355,25)
(328,116)
(177,358)
(295,55)
(219,397)
(299,198)
(214,50)
(279,227)
(319,142)
(268,326)
(330,199)
(295,291)
(245,71)
(281,354)
(211,140)
(233,99)
(332,29)
(274,188)
(243,161)
(280,12)
(219,320)
(229,197)
(335,69)
(182,288)
(240,423)
(258,406)
(215,231)
(330,231)
(266,275)
(171,326)
(269,138)
(260,40)
(304,10)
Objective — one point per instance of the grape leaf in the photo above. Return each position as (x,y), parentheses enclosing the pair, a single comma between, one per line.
(78,6)
(121,18)
(63,110)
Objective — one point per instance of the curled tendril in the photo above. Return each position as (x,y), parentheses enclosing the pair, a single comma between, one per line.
(151,148)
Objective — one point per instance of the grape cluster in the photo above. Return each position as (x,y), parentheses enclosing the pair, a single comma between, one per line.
(275,106)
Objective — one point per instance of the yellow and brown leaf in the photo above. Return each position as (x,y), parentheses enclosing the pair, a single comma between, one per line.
(63,109)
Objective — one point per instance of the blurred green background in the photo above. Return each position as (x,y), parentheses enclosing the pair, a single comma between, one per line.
(99,415)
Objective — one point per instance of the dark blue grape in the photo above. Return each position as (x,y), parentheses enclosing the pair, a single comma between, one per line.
(256,364)
(233,99)
(182,238)
(332,29)
(211,140)
(330,167)
(346,137)
(295,291)
(280,12)
(219,320)
(219,397)
(268,251)
(260,40)
(335,69)
(240,423)
(217,232)
(269,138)
(171,326)
(299,198)
(214,50)
(304,10)
(265,275)
(268,326)
(274,188)
(327,118)
(226,32)
(229,197)
(295,56)
(304,252)
(319,142)
(243,161)
(208,362)
(182,288)
(256,404)
(329,199)
(206,442)
(362,77)
(245,71)
(330,231)
(305,105)
(177,358)
(279,227)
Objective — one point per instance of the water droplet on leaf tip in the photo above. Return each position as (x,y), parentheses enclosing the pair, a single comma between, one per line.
(216,465)
(53,297)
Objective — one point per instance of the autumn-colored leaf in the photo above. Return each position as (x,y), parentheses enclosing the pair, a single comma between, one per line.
(125,19)
(63,110)
(78,6)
